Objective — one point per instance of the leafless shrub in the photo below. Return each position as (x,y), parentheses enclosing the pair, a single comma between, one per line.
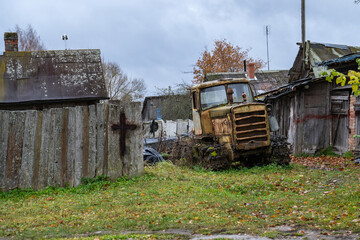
(120,86)
(29,40)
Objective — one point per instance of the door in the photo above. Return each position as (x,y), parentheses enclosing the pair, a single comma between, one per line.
(340,120)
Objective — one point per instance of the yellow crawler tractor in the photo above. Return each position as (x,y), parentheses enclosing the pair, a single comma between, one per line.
(230,126)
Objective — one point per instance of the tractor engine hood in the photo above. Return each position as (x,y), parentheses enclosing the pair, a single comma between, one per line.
(220,111)
(224,110)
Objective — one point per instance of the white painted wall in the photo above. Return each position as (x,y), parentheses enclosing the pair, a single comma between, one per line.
(168,128)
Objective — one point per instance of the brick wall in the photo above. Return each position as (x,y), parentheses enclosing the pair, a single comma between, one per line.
(352,123)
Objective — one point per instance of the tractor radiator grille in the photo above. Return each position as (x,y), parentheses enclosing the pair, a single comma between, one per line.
(251,127)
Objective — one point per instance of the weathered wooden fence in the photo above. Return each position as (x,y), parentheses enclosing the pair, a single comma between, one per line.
(59,146)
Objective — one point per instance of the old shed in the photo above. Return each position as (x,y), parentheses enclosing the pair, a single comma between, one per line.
(312,112)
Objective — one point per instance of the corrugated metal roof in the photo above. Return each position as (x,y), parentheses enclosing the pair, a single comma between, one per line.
(315,55)
(320,52)
(43,76)
(344,59)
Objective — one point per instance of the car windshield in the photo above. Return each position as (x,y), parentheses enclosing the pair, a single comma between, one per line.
(239,89)
(213,96)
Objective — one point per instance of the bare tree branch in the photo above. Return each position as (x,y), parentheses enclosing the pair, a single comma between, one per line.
(29,40)
(176,103)
(119,86)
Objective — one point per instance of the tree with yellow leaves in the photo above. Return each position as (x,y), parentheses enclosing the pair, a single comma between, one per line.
(352,76)
(225,57)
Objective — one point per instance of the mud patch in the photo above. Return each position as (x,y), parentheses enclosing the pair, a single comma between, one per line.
(288,232)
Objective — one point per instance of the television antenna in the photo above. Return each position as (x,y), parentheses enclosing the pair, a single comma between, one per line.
(267,32)
(65,38)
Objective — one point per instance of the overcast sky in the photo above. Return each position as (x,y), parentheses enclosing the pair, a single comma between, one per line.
(160,40)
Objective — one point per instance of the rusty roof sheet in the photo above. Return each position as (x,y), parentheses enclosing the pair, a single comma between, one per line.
(320,52)
(344,59)
(62,75)
(315,54)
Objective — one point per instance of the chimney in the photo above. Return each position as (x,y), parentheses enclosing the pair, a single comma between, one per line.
(11,41)
(251,70)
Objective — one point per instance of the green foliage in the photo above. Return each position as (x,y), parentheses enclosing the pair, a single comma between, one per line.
(144,236)
(165,155)
(348,154)
(99,179)
(352,78)
(304,155)
(329,151)
(176,102)
(213,153)
(326,152)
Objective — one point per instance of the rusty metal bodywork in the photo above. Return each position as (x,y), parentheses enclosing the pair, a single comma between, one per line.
(240,127)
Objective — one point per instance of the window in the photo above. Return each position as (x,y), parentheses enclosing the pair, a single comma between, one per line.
(213,96)
(195,101)
(239,89)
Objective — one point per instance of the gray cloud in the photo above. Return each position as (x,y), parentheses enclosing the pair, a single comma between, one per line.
(159,40)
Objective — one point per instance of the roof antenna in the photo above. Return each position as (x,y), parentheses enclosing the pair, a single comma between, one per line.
(65,38)
(267,32)
(303,26)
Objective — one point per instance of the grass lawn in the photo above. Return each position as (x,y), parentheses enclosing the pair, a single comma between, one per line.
(170,197)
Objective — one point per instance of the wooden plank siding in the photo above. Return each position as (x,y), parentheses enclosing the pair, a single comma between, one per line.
(60,146)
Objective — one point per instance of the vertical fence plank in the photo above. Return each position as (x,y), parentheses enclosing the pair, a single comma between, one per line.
(64,146)
(100,138)
(55,156)
(51,149)
(45,165)
(4,130)
(10,155)
(79,125)
(71,147)
(133,163)
(92,141)
(27,166)
(85,152)
(15,147)
(106,125)
(37,151)
(115,163)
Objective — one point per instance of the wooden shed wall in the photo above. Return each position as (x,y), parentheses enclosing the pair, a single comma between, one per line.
(314,118)
(59,146)
(304,117)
